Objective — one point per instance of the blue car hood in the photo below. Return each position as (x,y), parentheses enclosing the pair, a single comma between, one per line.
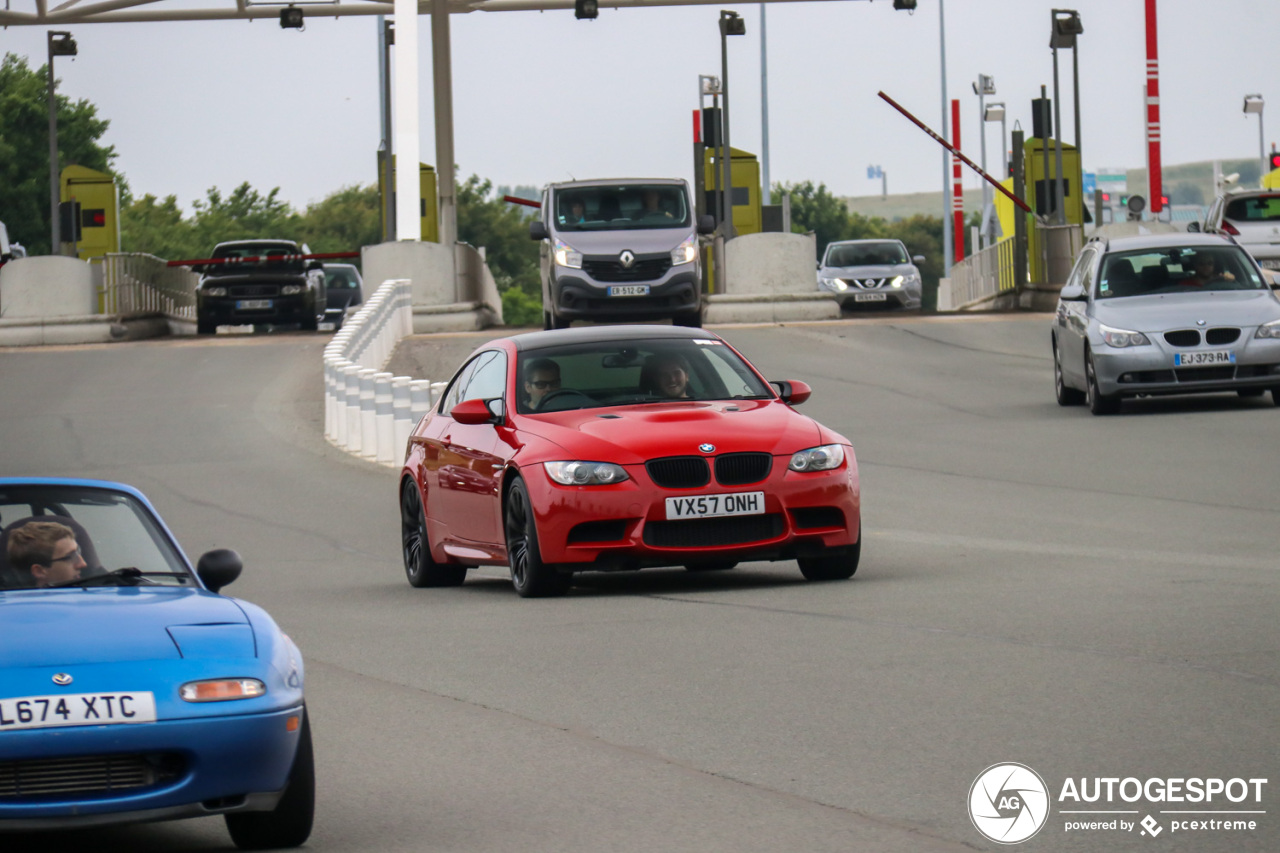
(78,626)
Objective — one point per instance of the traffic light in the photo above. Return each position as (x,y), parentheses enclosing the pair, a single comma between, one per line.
(1275,160)
(1106,198)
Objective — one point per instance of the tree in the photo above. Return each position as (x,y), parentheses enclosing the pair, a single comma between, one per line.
(503,229)
(816,209)
(343,221)
(24,148)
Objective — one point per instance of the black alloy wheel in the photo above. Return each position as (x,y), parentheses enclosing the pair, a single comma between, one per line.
(531,577)
(837,567)
(420,569)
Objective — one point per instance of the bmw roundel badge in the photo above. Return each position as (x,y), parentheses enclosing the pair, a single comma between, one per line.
(707,448)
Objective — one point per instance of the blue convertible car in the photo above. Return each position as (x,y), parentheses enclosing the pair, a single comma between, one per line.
(130,690)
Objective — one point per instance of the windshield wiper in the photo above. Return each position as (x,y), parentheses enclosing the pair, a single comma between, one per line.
(127,576)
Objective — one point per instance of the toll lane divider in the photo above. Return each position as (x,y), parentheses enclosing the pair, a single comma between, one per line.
(367,411)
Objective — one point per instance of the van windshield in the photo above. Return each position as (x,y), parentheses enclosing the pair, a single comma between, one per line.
(621,208)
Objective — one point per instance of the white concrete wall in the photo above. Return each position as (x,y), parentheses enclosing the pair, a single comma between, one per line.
(47,286)
(771,263)
(429,266)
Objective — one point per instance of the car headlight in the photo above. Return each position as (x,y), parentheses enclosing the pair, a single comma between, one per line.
(1120,338)
(576,473)
(836,284)
(291,290)
(215,291)
(567,256)
(1268,330)
(222,690)
(685,253)
(912,280)
(822,458)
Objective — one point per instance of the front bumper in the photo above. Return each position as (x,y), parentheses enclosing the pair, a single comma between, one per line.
(230,311)
(211,765)
(856,299)
(578,297)
(1150,369)
(624,526)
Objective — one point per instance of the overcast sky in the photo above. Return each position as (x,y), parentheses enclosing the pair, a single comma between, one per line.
(541,96)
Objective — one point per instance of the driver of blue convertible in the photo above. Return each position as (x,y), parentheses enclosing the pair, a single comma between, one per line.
(47,551)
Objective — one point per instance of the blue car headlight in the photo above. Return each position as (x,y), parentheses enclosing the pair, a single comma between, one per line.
(822,458)
(1120,338)
(577,473)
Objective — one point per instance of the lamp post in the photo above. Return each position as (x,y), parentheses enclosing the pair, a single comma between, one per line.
(730,25)
(1066,26)
(1254,104)
(60,44)
(995,112)
(986,85)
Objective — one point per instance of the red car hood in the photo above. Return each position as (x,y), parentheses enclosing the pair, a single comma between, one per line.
(630,435)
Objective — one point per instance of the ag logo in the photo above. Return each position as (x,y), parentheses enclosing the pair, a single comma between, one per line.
(1008,803)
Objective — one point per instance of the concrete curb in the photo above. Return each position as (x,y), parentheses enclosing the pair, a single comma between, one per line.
(88,329)
(770,308)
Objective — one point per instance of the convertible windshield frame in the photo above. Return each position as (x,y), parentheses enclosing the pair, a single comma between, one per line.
(607,374)
(113,530)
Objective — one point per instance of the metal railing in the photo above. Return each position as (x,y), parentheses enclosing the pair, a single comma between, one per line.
(983,276)
(136,285)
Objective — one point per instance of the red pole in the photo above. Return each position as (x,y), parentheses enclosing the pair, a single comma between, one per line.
(1154,175)
(958,194)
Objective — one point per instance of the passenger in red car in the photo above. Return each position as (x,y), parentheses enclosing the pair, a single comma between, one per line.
(666,376)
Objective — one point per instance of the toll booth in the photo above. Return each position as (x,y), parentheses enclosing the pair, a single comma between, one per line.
(428,203)
(744,175)
(1042,179)
(90,211)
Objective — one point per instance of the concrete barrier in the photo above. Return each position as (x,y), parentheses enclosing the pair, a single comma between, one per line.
(772,277)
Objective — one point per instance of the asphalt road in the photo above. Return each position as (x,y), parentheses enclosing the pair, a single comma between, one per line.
(1091,597)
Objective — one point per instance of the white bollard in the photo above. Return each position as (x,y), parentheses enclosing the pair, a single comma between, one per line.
(419,399)
(385,418)
(401,411)
(351,381)
(368,419)
(437,388)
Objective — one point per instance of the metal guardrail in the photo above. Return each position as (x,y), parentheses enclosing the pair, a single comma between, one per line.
(986,275)
(136,285)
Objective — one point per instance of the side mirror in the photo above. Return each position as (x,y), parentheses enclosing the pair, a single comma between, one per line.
(315,265)
(473,412)
(706,224)
(792,391)
(197,268)
(819,265)
(1193,227)
(1072,293)
(218,568)
(917,259)
(538,230)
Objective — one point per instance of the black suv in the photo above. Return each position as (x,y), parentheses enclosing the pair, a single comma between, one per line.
(260,282)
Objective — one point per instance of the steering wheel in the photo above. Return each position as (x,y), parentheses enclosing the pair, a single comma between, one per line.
(562,392)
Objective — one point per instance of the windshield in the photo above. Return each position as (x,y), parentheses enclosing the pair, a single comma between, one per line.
(341,278)
(614,373)
(621,208)
(1261,208)
(1178,269)
(865,254)
(272,252)
(56,535)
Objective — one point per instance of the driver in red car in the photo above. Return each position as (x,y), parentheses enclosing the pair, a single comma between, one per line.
(541,377)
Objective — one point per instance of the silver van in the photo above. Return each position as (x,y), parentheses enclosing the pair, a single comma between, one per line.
(623,249)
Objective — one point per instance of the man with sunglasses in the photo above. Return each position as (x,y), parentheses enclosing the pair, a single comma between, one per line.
(48,551)
(541,377)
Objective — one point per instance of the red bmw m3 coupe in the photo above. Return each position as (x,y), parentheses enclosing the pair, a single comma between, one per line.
(618,448)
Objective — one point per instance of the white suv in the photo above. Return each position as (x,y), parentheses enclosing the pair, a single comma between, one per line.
(1252,217)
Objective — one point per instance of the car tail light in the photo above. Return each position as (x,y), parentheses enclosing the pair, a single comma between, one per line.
(1230,229)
